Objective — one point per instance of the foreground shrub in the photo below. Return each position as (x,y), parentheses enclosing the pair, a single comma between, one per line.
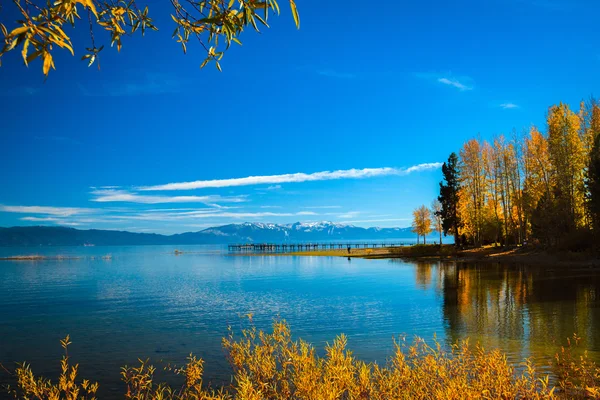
(273,366)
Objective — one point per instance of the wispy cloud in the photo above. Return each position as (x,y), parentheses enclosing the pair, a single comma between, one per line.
(267,207)
(321,207)
(462,83)
(349,215)
(336,74)
(301,213)
(508,106)
(40,219)
(43,210)
(211,214)
(274,187)
(294,178)
(123,217)
(112,195)
(456,83)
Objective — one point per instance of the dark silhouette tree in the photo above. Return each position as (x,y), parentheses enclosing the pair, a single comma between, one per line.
(448,197)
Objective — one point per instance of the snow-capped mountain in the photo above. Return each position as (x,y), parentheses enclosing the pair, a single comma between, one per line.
(299,232)
(257,232)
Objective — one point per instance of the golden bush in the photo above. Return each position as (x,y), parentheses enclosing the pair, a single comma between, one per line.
(274,366)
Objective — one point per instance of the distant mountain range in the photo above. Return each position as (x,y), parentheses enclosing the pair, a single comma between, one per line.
(233,233)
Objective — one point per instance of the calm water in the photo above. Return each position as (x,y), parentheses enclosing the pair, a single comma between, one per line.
(147,302)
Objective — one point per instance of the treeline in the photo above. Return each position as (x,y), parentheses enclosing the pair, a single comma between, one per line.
(536,186)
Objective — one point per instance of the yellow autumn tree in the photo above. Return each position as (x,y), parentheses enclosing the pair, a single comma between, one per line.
(493,167)
(214,24)
(474,181)
(568,159)
(533,184)
(422,223)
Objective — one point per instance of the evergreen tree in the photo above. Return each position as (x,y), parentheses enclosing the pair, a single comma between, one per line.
(448,197)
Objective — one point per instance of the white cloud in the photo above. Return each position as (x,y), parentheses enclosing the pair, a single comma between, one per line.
(306,213)
(207,215)
(41,219)
(321,207)
(508,106)
(462,83)
(294,178)
(455,82)
(274,187)
(349,215)
(56,211)
(103,196)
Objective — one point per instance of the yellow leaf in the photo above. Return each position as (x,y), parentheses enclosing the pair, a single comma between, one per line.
(61,32)
(62,44)
(47,63)
(24,51)
(118,11)
(89,4)
(12,44)
(19,30)
(295,13)
(92,7)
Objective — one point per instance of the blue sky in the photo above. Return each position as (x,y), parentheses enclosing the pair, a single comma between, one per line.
(393,89)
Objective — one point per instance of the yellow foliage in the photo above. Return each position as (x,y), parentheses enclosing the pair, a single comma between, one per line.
(568,158)
(273,366)
(208,21)
(422,224)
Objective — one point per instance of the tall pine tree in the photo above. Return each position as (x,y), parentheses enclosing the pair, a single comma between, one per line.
(448,197)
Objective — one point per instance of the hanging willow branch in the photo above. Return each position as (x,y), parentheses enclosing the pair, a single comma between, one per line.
(214,24)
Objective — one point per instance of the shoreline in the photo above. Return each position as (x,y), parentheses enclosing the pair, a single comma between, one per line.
(434,253)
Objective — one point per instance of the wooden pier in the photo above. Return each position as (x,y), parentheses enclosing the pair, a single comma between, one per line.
(293,247)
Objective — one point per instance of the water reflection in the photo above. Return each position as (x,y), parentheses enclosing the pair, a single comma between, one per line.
(524,310)
(146,302)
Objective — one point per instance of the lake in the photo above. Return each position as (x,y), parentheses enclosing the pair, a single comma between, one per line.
(146,302)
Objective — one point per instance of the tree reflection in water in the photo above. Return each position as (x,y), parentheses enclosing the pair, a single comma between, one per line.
(528,312)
